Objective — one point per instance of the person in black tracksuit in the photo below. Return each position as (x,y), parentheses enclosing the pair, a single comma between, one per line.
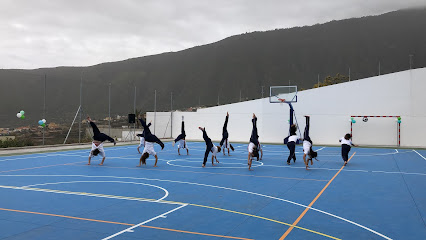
(291,144)
(225,136)
(254,142)
(181,139)
(142,138)
(346,147)
(308,152)
(98,139)
(210,147)
(150,139)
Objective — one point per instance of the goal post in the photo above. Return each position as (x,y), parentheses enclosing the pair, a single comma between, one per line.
(376,130)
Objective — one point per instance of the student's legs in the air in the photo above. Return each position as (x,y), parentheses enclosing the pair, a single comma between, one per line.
(94,127)
(306,132)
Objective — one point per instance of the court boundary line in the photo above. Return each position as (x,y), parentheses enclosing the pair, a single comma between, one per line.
(315,199)
(22,169)
(411,195)
(143,223)
(228,174)
(312,202)
(231,189)
(86,194)
(119,223)
(244,165)
(167,202)
(54,183)
(419,154)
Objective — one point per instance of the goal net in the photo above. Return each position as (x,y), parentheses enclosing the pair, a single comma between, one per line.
(376,130)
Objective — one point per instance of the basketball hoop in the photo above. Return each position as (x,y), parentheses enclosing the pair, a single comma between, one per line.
(283,94)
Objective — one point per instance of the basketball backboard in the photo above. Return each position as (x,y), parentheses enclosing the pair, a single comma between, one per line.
(283,94)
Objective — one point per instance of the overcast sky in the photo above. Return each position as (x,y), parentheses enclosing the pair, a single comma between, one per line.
(50,33)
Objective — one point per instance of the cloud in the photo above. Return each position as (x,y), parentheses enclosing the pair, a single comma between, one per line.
(80,33)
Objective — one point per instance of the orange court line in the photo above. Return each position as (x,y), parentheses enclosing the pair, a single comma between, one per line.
(312,203)
(119,223)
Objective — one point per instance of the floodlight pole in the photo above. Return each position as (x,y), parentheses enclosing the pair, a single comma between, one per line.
(171,113)
(262,91)
(134,111)
(155,108)
(81,94)
(349,74)
(44,105)
(411,61)
(379,68)
(109,109)
(318,81)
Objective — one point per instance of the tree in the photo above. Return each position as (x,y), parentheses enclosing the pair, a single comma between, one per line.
(329,80)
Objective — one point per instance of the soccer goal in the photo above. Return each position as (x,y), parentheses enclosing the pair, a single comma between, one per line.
(376,130)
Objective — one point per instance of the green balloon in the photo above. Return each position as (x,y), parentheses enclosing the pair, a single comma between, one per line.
(22,117)
(43,125)
(22,112)
(399,118)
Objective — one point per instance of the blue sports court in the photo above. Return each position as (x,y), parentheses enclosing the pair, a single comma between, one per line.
(380,194)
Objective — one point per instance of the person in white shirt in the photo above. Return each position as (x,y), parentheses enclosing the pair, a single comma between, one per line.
(97,144)
(260,150)
(150,139)
(210,147)
(141,143)
(291,144)
(181,139)
(253,150)
(142,138)
(346,147)
(224,143)
(148,150)
(307,145)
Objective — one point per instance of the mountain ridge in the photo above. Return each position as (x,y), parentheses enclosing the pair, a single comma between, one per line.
(222,71)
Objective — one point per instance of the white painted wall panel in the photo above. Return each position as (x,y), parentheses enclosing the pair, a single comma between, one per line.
(330,108)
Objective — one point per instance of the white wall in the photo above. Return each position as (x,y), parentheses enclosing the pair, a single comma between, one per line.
(330,108)
(163,120)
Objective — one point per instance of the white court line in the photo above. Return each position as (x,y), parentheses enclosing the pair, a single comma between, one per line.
(367,154)
(320,149)
(347,170)
(85,194)
(219,187)
(54,183)
(396,150)
(142,223)
(419,154)
(12,159)
(245,166)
